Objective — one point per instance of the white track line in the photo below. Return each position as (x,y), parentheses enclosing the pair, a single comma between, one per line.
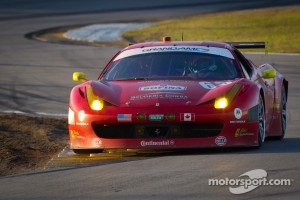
(18,112)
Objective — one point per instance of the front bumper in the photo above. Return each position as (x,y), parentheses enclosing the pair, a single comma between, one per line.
(151,128)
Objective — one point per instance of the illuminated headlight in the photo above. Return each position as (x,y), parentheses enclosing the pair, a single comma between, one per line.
(95,102)
(221,102)
(71,117)
(225,100)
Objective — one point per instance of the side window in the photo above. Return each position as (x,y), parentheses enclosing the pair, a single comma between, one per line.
(244,63)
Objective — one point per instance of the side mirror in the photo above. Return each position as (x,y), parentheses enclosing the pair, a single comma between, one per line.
(79,77)
(269,73)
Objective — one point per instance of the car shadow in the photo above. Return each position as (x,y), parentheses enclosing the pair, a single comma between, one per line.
(73,161)
(286,145)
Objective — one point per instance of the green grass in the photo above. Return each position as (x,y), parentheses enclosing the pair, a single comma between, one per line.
(279,27)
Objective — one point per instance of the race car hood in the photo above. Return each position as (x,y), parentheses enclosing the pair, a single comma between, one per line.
(162,92)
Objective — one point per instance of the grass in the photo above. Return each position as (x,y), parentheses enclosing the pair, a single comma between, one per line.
(279,27)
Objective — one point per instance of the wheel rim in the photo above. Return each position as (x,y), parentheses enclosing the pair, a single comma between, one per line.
(283,112)
(261,120)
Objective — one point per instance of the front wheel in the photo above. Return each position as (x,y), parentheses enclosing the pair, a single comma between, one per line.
(283,117)
(261,122)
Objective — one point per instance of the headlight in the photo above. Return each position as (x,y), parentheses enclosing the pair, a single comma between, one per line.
(224,101)
(95,102)
(221,102)
(71,117)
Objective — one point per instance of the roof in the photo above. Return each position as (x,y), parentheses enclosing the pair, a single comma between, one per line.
(180,43)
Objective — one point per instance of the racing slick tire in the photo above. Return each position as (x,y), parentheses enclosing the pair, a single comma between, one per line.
(283,116)
(261,122)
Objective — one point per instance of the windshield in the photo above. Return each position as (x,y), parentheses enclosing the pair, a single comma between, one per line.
(172,65)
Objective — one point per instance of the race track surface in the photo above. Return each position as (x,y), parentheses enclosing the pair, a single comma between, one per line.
(36,78)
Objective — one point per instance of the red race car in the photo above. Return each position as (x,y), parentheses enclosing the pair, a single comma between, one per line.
(178,94)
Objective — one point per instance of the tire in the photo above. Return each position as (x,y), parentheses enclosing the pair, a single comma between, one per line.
(261,122)
(283,111)
(87,151)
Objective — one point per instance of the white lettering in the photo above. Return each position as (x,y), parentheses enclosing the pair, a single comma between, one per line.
(256,178)
(197,49)
(157,143)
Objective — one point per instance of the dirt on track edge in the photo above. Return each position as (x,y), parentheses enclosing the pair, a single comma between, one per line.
(29,142)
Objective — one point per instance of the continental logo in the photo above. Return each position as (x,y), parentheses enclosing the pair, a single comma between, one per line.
(157,143)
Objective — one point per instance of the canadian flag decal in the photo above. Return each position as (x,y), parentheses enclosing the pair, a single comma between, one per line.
(187,116)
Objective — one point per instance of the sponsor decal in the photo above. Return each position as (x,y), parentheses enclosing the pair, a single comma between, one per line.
(208,50)
(141,116)
(239,131)
(96,142)
(81,115)
(238,113)
(176,48)
(75,134)
(276,106)
(213,85)
(170,116)
(124,117)
(157,143)
(242,132)
(156,117)
(163,88)
(82,123)
(249,181)
(187,117)
(237,121)
(221,141)
(165,95)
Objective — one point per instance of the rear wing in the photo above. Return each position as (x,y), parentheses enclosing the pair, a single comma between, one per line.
(248,45)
